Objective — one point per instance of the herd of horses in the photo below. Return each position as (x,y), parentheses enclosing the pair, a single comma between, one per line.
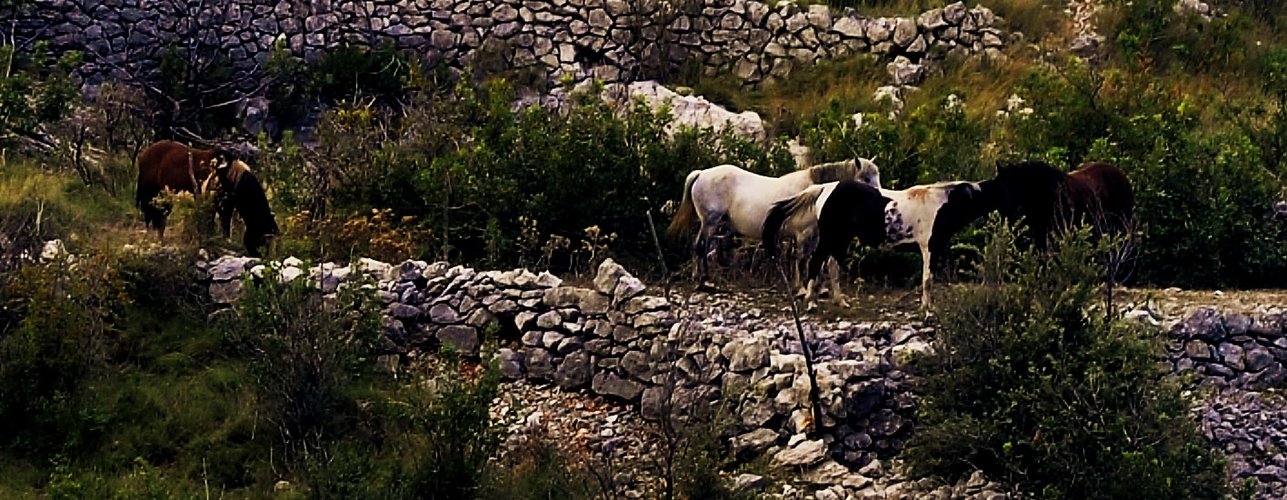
(821,209)
(823,216)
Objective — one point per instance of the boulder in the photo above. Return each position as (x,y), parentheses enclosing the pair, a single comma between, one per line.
(539,364)
(584,299)
(224,268)
(403,311)
(747,354)
(511,364)
(574,371)
(754,442)
(904,31)
(850,26)
(609,384)
(802,454)
(443,314)
(463,338)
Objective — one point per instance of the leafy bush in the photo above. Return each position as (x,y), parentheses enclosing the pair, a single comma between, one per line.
(54,342)
(306,350)
(1031,387)
(35,89)
(450,433)
(378,235)
(476,171)
(537,470)
(352,72)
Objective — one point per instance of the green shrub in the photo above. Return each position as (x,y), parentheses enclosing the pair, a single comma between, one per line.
(1031,387)
(306,350)
(351,73)
(449,433)
(53,345)
(160,279)
(35,89)
(538,470)
(469,167)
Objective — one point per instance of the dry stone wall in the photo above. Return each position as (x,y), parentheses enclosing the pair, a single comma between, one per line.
(1238,362)
(614,339)
(612,40)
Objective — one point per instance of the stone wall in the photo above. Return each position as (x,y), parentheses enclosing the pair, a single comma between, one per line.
(613,40)
(615,340)
(1236,363)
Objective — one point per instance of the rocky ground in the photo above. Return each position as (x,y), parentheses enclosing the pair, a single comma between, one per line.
(619,445)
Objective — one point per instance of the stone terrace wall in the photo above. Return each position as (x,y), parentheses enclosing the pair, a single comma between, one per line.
(613,40)
(617,341)
(1238,363)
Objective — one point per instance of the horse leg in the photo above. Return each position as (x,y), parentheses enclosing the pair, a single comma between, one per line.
(836,293)
(815,267)
(254,241)
(225,209)
(925,277)
(699,267)
(701,251)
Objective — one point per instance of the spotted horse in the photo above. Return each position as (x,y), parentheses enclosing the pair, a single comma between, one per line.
(927,215)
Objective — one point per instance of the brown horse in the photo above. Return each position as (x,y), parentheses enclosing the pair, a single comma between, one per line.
(178,167)
(1050,200)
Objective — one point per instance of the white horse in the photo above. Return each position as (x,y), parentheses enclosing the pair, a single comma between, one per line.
(727,194)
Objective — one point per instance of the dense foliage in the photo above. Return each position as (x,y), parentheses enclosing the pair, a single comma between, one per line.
(35,88)
(1029,385)
(506,184)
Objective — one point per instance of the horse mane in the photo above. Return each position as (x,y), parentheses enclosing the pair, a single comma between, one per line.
(833,172)
(1032,172)
(236,170)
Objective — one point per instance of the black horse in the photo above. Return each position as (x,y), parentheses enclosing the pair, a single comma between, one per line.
(1050,200)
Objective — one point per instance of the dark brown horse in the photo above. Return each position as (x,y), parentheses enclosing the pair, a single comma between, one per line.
(178,167)
(1049,200)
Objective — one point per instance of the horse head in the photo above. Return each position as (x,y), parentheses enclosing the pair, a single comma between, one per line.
(868,172)
(994,195)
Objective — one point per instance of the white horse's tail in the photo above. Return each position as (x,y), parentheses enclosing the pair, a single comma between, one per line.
(686,217)
(796,209)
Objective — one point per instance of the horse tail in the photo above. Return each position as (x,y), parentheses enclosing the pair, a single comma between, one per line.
(781,211)
(686,216)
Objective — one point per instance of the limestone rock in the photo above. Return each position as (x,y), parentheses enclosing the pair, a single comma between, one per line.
(584,299)
(754,442)
(802,454)
(463,338)
(574,371)
(747,354)
(608,384)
